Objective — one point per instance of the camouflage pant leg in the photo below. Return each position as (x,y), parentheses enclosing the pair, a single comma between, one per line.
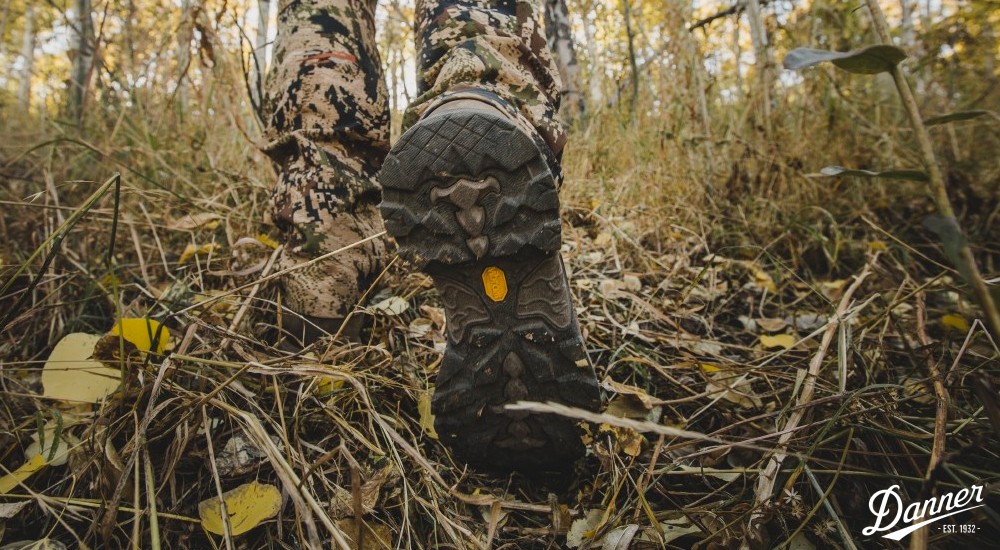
(485,49)
(327,121)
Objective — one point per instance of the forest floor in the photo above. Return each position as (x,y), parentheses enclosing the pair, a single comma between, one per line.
(767,365)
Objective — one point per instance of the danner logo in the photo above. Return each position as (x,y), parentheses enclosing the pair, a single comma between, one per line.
(887,507)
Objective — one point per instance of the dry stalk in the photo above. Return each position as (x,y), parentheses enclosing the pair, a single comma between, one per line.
(938,189)
(768,476)
(918,540)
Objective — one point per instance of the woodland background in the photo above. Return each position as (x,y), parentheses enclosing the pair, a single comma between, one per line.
(818,327)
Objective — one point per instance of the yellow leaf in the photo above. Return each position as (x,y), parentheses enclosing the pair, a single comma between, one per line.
(426,416)
(110,280)
(763,280)
(878,246)
(193,250)
(956,322)
(784,341)
(707,367)
(18,476)
(247,505)
(267,241)
(377,535)
(141,333)
(326,385)
(71,375)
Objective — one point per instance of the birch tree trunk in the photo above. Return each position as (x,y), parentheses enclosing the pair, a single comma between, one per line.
(27,58)
(259,69)
(593,76)
(764,60)
(83,60)
(560,38)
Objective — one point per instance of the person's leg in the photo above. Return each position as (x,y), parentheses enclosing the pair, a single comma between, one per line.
(486,49)
(470,195)
(327,123)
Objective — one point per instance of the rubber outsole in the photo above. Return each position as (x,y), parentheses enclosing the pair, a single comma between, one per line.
(470,199)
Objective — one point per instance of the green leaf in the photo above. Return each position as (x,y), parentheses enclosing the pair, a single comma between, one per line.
(960,115)
(881,58)
(910,175)
(952,240)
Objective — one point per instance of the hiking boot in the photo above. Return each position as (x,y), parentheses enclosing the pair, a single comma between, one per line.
(471,199)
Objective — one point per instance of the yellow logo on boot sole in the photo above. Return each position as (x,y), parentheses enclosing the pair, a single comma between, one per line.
(495,283)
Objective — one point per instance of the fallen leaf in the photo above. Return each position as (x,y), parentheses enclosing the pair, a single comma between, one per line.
(620,538)
(674,529)
(18,476)
(918,390)
(393,305)
(238,457)
(267,241)
(632,283)
(71,375)
(377,536)
(426,416)
(419,327)
(9,510)
(53,457)
(762,279)
(609,286)
(194,221)
(193,250)
(783,341)
(628,440)
(771,325)
(878,246)
(247,505)
(733,389)
(142,332)
(326,385)
(955,321)
(647,400)
(343,499)
(584,528)
(435,314)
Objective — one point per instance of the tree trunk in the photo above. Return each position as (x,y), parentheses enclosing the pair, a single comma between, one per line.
(183,52)
(593,76)
(3,27)
(763,59)
(27,58)
(560,39)
(83,60)
(259,69)
(627,11)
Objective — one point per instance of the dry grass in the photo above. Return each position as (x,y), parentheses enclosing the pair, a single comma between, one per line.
(680,264)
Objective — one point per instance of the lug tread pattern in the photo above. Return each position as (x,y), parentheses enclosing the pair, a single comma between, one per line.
(439,150)
(450,182)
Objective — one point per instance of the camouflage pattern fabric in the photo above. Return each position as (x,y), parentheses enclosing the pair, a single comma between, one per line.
(327,121)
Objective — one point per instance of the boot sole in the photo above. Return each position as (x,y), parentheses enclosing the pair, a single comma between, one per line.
(471,201)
